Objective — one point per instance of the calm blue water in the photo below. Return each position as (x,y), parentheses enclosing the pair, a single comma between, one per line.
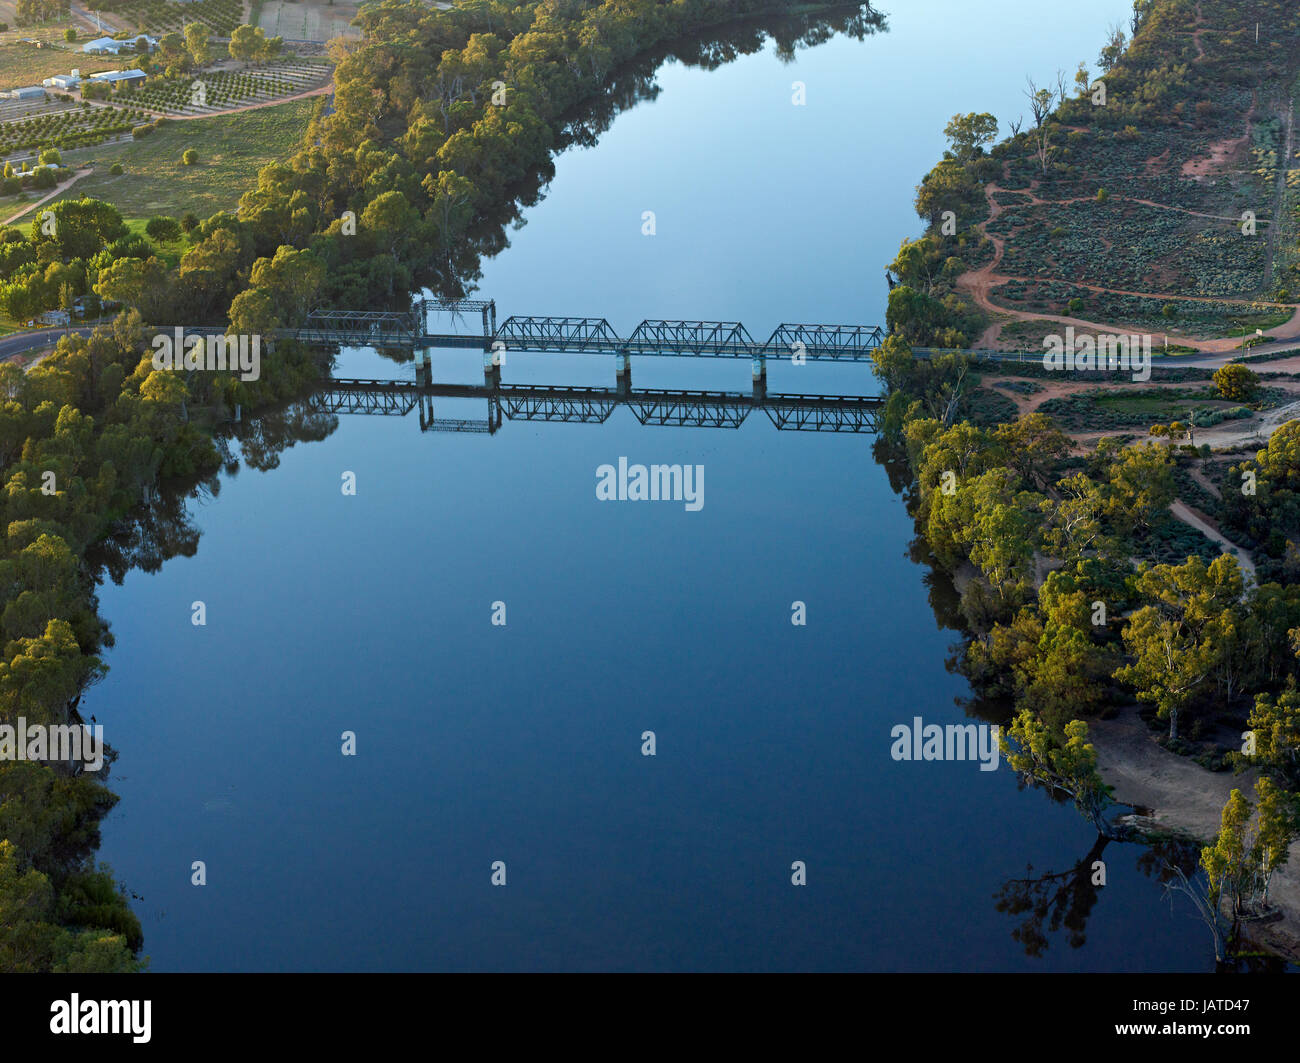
(521,743)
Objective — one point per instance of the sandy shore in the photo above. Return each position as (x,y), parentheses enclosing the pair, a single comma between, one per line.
(1184,798)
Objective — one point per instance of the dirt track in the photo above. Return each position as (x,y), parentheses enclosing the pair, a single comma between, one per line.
(982,281)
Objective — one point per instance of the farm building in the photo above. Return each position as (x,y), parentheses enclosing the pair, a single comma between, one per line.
(118,78)
(63,82)
(30,92)
(109,46)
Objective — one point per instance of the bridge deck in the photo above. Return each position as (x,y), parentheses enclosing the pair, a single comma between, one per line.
(587,335)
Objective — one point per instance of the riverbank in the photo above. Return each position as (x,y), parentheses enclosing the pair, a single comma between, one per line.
(1176,796)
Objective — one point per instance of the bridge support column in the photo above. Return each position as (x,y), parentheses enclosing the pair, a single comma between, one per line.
(760,378)
(423,368)
(623,372)
(491,369)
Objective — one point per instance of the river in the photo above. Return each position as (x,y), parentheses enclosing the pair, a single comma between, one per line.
(522,743)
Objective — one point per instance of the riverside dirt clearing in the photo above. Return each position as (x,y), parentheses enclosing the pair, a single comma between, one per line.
(1180,797)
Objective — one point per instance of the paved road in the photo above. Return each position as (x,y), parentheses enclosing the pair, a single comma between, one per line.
(30,341)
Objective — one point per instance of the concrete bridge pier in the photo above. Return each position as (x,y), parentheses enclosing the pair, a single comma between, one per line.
(623,372)
(760,378)
(423,368)
(491,369)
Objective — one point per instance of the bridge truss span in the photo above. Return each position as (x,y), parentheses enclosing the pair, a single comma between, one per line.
(360,328)
(717,339)
(660,337)
(575,335)
(851,343)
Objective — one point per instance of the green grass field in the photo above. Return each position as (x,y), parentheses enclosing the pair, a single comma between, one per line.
(231,149)
(170,251)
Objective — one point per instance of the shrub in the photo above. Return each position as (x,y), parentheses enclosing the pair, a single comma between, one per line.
(1235,382)
(115,169)
(1102,195)
(43,177)
(189,222)
(50,157)
(69,34)
(190,157)
(162,228)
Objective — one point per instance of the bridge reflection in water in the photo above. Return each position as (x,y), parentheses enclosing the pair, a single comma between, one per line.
(587,405)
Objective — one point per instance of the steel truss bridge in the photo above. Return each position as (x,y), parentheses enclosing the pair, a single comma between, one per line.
(583,335)
(586,405)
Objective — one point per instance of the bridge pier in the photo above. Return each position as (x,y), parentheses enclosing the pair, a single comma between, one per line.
(760,378)
(623,372)
(491,369)
(423,368)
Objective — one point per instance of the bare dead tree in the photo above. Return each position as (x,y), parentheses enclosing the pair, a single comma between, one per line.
(1015,126)
(1043,146)
(1040,101)
(954,398)
(1223,931)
